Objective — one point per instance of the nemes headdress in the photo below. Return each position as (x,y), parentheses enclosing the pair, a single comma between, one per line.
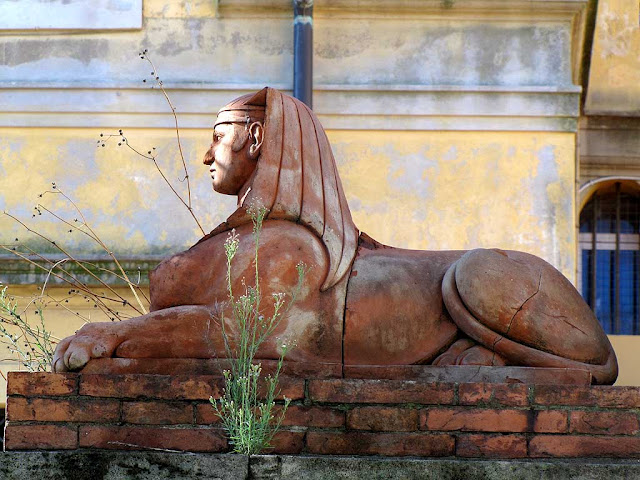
(296,176)
(241,110)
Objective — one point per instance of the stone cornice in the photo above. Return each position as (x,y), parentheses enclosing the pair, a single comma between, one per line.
(340,107)
(573,12)
(445,9)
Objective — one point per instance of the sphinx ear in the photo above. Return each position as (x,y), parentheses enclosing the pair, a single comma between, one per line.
(256,136)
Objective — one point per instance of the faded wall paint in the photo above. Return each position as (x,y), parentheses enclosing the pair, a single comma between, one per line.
(460,190)
(614,76)
(121,193)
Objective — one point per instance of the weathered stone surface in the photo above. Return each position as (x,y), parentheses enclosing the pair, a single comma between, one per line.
(120,466)
(377,468)
(164,465)
(471,373)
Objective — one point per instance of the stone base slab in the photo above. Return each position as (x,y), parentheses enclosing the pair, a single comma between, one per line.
(162,465)
(425,373)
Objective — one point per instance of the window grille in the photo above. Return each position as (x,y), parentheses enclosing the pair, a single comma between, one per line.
(609,258)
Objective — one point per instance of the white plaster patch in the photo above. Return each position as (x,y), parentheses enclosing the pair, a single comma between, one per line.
(616,33)
(70,14)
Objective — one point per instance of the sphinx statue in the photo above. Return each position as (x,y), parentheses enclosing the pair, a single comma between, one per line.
(363,303)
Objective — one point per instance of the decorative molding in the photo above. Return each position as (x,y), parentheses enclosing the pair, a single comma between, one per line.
(478,10)
(16,271)
(341,107)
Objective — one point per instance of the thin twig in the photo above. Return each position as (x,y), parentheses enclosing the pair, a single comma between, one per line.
(70,256)
(102,245)
(175,119)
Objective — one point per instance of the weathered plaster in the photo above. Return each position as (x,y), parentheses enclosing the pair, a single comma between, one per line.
(614,76)
(448,190)
(121,193)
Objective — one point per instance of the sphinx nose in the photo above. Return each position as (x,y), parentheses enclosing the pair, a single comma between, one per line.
(208,157)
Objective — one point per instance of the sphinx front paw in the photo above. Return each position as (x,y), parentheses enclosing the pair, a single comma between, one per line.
(94,340)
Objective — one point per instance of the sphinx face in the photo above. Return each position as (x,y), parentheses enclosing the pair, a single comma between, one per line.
(229,160)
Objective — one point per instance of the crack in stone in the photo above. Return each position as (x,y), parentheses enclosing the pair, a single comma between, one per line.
(595,427)
(522,306)
(565,320)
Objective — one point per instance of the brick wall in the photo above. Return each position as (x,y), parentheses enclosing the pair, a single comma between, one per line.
(328,416)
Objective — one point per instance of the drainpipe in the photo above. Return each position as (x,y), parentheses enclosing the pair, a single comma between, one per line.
(303,51)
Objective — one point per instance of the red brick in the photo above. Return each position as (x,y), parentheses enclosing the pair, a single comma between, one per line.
(205,366)
(141,438)
(206,415)
(186,387)
(474,420)
(290,387)
(550,421)
(584,446)
(604,423)
(491,446)
(388,419)
(286,442)
(391,444)
(165,387)
(157,413)
(490,394)
(32,384)
(40,437)
(72,409)
(587,396)
(380,391)
(319,417)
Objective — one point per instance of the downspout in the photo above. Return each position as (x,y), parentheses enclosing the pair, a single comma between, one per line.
(303,51)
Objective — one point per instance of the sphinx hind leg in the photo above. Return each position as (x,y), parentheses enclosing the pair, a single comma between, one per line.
(465,351)
(520,307)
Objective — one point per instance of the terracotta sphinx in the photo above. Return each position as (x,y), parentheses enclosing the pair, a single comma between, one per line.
(363,303)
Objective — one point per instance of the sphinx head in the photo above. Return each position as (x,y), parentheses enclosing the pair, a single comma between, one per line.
(237,140)
(270,149)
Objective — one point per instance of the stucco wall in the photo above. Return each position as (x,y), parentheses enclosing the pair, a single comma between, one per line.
(614,75)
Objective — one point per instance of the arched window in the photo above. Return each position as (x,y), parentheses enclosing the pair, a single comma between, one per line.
(609,256)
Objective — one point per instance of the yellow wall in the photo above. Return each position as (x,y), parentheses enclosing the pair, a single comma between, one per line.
(614,75)
(124,197)
(626,348)
(461,190)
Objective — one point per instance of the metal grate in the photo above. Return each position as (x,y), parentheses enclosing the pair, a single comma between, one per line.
(609,260)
